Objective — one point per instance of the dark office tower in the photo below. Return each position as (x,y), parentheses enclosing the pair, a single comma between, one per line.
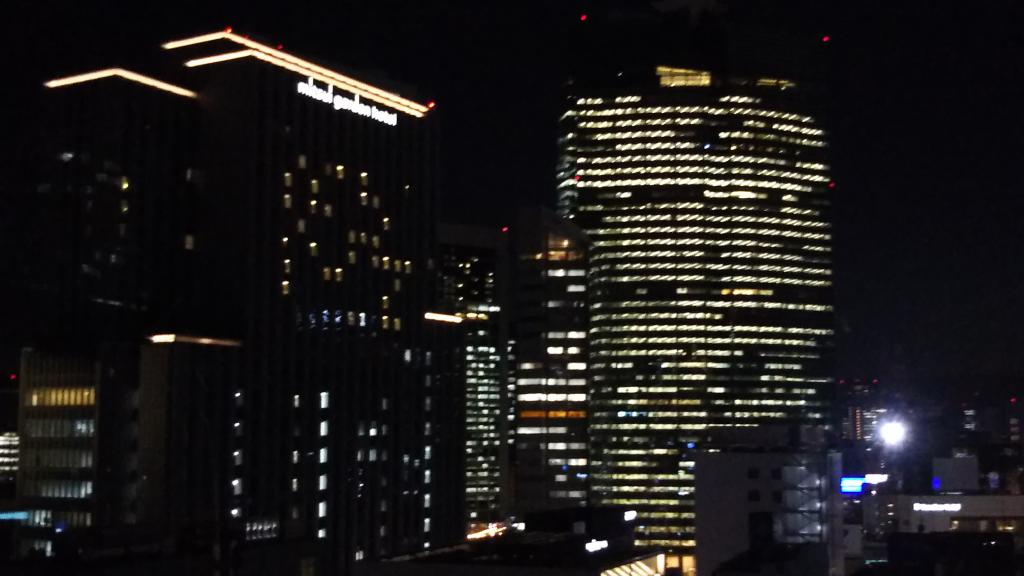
(549,331)
(473,276)
(120,192)
(861,407)
(706,201)
(187,406)
(294,217)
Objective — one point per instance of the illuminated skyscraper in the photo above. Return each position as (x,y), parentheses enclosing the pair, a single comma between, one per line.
(706,201)
(473,272)
(550,347)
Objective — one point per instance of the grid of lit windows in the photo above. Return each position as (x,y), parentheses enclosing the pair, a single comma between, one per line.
(707,205)
(551,411)
(469,289)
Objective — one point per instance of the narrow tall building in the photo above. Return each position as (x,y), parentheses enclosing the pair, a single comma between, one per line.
(474,273)
(706,199)
(549,328)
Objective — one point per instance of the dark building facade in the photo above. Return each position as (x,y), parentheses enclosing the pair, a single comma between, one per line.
(263,200)
(706,202)
(549,329)
(474,272)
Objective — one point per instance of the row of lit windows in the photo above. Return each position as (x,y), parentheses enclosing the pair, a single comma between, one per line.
(537,365)
(719,182)
(47,518)
(633,341)
(661,217)
(559,350)
(61,397)
(773,138)
(652,414)
(554,414)
(570,335)
(59,488)
(619,501)
(57,458)
(551,397)
(672,426)
(59,428)
(701,303)
(654,254)
(672,121)
(713,110)
(546,430)
(709,328)
(567,462)
(690,169)
(678,230)
(703,278)
(715,159)
(551,381)
(560,272)
(714,266)
(567,446)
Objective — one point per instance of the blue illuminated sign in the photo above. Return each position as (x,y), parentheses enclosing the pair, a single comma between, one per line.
(13,516)
(852,484)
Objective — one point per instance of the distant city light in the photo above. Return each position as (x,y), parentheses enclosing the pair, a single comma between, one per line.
(893,433)
(493,529)
(583,17)
(595,545)
(939,507)
(826,38)
(438,317)
(876,478)
(629,515)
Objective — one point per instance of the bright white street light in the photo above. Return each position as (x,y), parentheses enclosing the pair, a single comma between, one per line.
(893,433)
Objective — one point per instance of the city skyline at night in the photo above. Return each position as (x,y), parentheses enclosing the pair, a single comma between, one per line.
(604,287)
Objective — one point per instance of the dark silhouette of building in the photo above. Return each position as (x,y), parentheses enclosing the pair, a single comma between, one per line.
(242,255)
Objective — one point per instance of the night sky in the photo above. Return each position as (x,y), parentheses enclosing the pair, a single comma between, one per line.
(927,117)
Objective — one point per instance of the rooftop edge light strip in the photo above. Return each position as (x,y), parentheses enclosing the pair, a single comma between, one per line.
(279,58)
(120,73)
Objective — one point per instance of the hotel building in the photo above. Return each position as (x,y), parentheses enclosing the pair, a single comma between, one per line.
(246,199)
(706,200)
